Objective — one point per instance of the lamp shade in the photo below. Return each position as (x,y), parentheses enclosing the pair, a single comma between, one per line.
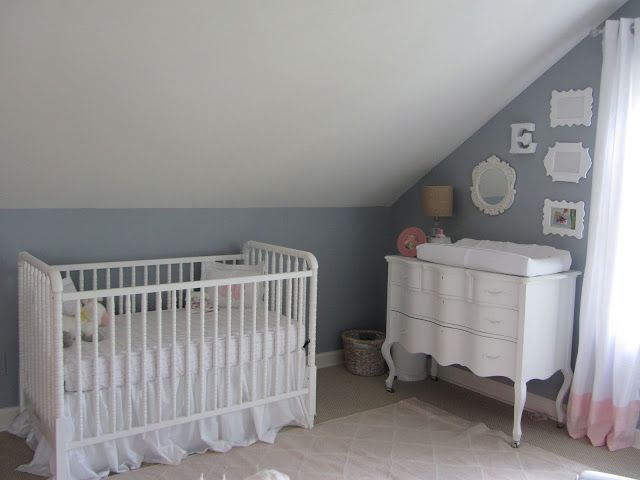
(437,201)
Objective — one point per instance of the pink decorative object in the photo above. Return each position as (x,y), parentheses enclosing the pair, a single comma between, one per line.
(409,239)
(104,320)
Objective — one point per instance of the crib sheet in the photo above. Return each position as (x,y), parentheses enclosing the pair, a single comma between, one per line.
(90,372)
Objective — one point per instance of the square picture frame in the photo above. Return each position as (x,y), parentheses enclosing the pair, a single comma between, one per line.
(567,162)
(571,107)
(563,218)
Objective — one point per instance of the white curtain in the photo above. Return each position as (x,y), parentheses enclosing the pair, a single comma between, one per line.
(605,396)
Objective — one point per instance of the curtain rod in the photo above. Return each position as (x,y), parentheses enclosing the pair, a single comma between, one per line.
(596,32)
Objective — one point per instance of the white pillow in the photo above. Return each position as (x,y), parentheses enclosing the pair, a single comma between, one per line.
(68,307)
(216,270)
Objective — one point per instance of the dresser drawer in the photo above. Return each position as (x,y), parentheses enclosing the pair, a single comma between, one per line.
(483,319)
(457,313)
(490,290)
(405,274)
(484,356)
(414,302)
(445,281)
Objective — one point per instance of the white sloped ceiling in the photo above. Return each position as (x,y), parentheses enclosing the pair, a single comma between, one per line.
(163,103)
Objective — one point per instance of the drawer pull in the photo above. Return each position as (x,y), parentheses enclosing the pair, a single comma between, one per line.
(492,357)
(495,292)
(493,320)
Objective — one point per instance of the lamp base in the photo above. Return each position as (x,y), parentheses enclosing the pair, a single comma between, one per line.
(440,240)
(436,230)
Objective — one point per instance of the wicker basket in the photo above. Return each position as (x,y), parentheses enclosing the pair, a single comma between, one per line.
(362,355)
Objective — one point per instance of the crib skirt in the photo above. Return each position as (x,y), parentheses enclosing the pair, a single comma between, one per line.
(168,445)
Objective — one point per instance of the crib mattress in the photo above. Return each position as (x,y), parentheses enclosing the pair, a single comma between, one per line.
(499,257)
(160,339)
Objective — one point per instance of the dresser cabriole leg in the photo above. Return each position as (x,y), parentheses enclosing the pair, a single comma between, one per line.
(386,353)
(520,394)
(560,409)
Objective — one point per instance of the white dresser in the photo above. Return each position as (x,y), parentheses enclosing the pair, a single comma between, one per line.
(494,324)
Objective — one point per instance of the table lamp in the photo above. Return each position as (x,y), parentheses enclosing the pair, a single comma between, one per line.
(437,202)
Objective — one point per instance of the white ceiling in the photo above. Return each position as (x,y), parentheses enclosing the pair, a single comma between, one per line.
(164,103)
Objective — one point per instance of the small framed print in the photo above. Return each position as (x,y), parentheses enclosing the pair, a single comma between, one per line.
(563,218)
(571,107)
(567,162)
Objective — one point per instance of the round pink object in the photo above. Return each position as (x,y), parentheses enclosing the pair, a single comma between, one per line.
(409,239)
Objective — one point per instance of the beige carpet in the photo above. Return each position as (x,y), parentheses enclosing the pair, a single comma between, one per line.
(409,440)
(341,394)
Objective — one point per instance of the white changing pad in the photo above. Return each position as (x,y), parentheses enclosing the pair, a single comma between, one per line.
(104,346)
(499,257)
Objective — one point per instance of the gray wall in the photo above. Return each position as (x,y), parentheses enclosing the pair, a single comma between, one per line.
(348,242)
(522,223)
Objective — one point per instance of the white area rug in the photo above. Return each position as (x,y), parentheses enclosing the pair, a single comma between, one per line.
(408,440)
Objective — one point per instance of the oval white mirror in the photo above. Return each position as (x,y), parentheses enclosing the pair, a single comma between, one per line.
(492,186)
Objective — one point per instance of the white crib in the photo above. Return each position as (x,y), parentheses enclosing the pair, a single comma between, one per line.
(163,363)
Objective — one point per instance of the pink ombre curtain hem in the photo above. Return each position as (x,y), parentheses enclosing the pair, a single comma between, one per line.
(602,422)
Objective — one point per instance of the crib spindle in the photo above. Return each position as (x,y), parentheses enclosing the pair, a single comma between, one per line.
(180,279)
(287,342)
(214,346)
(276,335)
(145,392)
(301,332)
(27,325)
(270,269)
(265,338)
(174,356)
(227,380)
(112,361)
(133,283)
(159,356)
(121,306)
(38,351)
(55,335)
(201,371)
(96,379)
(78,344)
(295,290)
(34,327)
(187,366)
(254,317)
(128,389)
(240,343)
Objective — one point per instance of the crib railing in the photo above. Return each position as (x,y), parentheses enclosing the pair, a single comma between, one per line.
(108,275)
(40,332)
(140,292)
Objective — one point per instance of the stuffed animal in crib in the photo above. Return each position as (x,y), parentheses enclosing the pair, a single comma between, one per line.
(87,328)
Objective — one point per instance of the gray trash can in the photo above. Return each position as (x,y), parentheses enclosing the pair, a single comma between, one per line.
(410,367)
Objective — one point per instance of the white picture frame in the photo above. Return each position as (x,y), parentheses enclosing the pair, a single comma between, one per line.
(567,162)
(563,218)
(571,107)
(493,164)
